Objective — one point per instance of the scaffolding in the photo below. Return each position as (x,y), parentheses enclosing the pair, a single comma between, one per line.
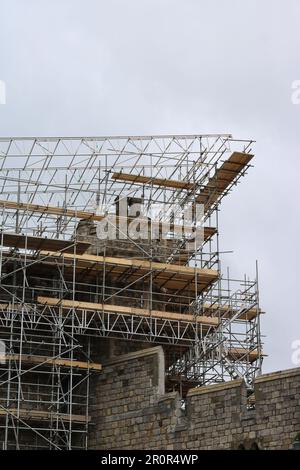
(65,290)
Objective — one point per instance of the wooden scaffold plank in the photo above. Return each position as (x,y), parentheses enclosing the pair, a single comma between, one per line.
(148,180)
(52,210)
(45,360)
(121,309)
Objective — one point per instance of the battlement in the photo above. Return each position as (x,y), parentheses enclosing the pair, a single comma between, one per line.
(130,409)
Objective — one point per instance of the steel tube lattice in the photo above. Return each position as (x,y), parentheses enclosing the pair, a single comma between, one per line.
(64,291)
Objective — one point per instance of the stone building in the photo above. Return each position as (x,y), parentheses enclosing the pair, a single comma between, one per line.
(131,410)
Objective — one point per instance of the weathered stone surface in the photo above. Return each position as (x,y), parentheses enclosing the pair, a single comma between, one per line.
(131,411)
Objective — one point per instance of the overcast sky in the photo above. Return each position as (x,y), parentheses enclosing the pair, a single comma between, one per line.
(95,67)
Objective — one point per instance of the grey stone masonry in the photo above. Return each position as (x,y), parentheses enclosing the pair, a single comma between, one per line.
(130,409)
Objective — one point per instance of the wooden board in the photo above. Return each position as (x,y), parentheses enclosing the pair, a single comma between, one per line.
(15,240)
(78,214)
(241,354)
(170,276)
(45,360)
(210,310)
(209,232)
(226,311)
(223,178)
(148,180)
(121,309)
(136,263)
(41,415)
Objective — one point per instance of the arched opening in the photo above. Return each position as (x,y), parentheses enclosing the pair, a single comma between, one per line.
(254,446)
(248,446)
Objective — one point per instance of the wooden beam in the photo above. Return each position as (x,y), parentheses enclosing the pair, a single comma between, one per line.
(209,232)
(210,310)
(242,354)
(30,242)
(148,180)
(45,360)
(78,214)
(136,263)
(223,178)
(123,310)
(226,311)
(41,415)
(171,276)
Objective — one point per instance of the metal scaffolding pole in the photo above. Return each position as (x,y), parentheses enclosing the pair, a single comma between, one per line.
(65,290)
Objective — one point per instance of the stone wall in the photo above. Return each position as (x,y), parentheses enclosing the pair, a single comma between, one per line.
(131,411)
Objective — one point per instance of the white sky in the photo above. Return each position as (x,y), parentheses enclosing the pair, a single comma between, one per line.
(117,67)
